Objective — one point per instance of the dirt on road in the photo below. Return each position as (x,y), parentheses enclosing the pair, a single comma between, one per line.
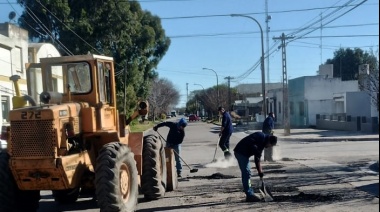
(294,185)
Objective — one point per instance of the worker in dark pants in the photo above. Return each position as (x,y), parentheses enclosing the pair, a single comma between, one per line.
(225,133)
(268,124)
(253,144)
(268,127)
(175,138)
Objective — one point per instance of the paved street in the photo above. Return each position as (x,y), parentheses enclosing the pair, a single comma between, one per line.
(334,175)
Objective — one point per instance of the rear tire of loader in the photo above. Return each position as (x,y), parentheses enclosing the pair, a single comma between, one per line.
(154,176)
(11,198)
(66,196)
(116,178)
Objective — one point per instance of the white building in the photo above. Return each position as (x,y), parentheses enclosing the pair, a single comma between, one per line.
(322,97)
(15,52)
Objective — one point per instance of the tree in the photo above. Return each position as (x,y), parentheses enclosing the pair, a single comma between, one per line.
(209,98)
(370,83)
(346,62)
(121,29)
(162,96)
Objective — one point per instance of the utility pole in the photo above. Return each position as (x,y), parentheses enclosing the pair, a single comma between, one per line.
(320,46)
(187,95)
(125,88)
(267,19)
(229,92)
(285,91)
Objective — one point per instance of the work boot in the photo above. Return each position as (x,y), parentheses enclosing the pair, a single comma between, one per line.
(179,174)
(227,155)
(253,198)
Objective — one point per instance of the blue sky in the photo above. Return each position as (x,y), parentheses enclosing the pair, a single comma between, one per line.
(203,35)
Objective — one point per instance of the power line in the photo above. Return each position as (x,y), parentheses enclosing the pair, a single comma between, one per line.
(257,13)
(68,27)
(322,25)
(46,30)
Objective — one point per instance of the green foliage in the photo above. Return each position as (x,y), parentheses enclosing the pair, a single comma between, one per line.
(121,29)
(346,62)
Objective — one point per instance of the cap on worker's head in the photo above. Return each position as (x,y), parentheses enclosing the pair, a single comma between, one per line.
(273,140)
(182,122)
(270,114)
(220,108)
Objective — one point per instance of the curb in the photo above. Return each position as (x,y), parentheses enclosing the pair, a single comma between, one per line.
(336,139)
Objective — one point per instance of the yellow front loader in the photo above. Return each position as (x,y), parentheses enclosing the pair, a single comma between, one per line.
(67,136)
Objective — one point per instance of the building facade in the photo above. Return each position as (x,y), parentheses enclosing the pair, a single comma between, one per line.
(15,52)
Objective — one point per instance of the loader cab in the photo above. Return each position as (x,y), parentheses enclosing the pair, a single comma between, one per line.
(85,78)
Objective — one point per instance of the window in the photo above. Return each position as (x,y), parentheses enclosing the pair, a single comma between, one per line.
(279,107)
(291,105)
(5,108)
(17,60)
(104,73)
(79,78)
(302,109)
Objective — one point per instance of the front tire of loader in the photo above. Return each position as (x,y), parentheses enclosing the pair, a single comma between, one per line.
(116,178)
(11,198)
(154,176)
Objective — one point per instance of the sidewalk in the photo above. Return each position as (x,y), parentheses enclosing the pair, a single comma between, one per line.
(316,135)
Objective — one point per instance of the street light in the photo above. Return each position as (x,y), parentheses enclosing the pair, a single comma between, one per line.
(217,84)
(201,86)
(262,60)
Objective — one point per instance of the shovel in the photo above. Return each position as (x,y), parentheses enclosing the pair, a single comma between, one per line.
(268,197)
(216,148)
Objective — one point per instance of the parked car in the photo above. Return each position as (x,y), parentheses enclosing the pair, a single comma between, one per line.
(194,117)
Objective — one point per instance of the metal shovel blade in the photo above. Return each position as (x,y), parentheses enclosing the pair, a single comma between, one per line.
(266,192)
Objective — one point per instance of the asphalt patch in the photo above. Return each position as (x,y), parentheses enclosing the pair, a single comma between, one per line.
(303,197)
(268,166)
(215,176)
(275,171)
(374,167)
(278,189)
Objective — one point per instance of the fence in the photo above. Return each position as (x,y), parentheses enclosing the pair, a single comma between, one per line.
(348,123)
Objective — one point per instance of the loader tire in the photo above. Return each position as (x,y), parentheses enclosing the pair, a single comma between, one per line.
(116,178)
(154,176)
(66,196)
(11,198)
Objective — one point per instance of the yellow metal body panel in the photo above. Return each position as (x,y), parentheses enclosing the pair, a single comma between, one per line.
(54,174)
(136,144)
(89,115)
